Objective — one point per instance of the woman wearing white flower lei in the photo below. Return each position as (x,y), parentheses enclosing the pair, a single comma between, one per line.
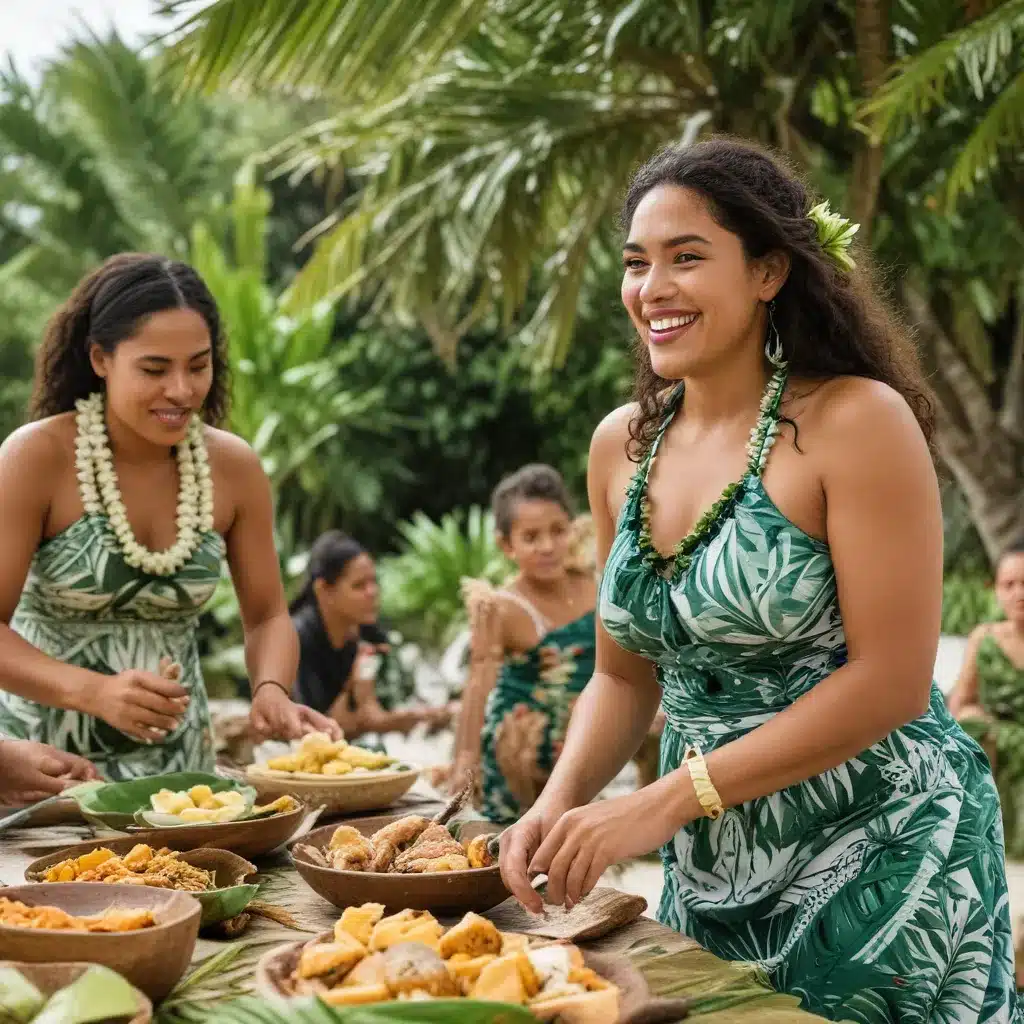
(119,501)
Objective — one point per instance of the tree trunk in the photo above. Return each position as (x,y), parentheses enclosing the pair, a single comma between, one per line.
(872,32)
(981,444)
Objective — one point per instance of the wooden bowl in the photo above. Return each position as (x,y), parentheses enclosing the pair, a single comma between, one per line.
(343,794)
(229,872)
(252,837)
(443,892)
(152,959)
(276,967)
(51,978)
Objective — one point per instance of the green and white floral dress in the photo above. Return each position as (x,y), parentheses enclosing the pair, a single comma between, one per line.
(1001,694)
(83,605)
(876,892)
(528,713)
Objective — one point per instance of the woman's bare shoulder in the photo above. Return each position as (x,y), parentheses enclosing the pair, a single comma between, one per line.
(612,434)
(42,446)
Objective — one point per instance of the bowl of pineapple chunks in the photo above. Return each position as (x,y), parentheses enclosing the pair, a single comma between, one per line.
(340,776)
(185,810)
(370,958)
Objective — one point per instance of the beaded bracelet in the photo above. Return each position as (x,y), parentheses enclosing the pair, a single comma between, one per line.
(702,784)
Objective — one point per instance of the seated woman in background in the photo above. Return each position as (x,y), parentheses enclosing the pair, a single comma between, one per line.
(988,699)
(347,669)
(532,647)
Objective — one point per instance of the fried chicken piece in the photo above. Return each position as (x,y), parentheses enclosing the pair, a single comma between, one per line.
(349,849)
(406,926)
(432,865)
(389,840)
(434,842)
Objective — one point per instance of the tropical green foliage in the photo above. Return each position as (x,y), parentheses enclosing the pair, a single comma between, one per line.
(985,52)
(421,584)
(289,399)
(967,601)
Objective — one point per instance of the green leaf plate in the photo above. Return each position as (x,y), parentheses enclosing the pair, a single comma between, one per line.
(116,804)
(253,1010)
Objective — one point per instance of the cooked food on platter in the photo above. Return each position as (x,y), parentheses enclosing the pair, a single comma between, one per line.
(13,913)
(410,956)
(318,754)
(142,865)
(411,845)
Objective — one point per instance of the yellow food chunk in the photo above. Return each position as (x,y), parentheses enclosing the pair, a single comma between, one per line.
(336,767)
(367,972)
(359,921)
(360,758)
(598,1007)
(278,806)
(138,856)
(473,935)
(229,798)
(193,815)
(94,858)
(330,958)
(167,802)
(407,926)
(285,763)
(198,794)
(500,981)
(356,995)
(467,969)
(514,942)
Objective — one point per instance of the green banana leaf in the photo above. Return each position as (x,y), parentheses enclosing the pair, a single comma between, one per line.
(98,994)
(115,804)
(251,1010)
(221,904)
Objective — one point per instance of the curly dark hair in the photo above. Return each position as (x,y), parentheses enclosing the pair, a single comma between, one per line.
(535,482)
(831,322)
(107,307)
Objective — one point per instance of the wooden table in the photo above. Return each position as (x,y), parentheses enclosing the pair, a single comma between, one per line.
(673,964)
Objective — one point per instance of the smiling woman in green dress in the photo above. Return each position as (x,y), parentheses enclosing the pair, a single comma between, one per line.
(118,503)
(772,572)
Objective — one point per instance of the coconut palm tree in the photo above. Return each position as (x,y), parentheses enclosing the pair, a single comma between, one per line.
(485,144)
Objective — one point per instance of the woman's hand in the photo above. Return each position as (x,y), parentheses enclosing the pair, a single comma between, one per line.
(274,715)
(585,841)
(143,705)
(30,772)
(519,845)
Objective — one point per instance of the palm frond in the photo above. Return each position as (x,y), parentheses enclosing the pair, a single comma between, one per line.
(1001,129)
(920,84)
(347,46)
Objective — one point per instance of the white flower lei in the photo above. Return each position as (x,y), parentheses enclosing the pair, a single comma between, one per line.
(97,486)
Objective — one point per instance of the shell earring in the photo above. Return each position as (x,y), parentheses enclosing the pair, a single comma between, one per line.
(773,343)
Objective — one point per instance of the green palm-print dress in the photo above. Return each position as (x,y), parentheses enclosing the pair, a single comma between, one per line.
(876,892)
(1001,694)
(83,605)
(528,713)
